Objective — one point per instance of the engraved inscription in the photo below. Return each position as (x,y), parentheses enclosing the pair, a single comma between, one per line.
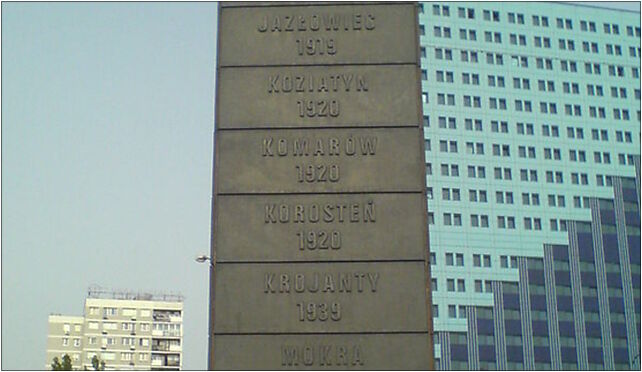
(322,311)
(328,227)
(310,34)
(316,46)
(314,212)
(300,83)
(310,83)
(319,160)
(314,95)
(389,351)
(344,282)
(320,297)
(319,146)
(286,283)
(321,240)
(321,355)
(315,22)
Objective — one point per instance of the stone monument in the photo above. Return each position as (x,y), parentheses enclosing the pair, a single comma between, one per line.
(319,220)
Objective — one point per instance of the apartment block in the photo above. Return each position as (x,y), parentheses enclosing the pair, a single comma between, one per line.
(128,331)
(532,137)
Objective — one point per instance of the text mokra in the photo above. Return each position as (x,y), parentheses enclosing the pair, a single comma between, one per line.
(330,146)
(317,22)
(314,213)
(321,355)
(320,282)
(291,83)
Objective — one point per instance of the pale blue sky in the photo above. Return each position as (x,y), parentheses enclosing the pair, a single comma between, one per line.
(106,161)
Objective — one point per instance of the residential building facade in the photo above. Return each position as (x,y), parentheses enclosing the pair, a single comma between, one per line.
(125,330)
(532,132)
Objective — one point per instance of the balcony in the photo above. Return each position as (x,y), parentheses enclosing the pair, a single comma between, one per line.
(160,333)
(176,348)
(161,317)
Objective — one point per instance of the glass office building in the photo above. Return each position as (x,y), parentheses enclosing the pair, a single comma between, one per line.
(532,130)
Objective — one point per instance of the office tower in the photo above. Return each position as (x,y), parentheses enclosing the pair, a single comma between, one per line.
(126,330)
(532,126)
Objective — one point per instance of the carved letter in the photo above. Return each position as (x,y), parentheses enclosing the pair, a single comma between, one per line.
(334,146)
(368,145)
(302,26)
(286,82)
(282,148)
(276,24)
(369,212)
(331,22)
(288,356)
(268,283)
(329,284)
(288,23)
(301,147)
(299,283)
(284,213)
(322,85)
(298,214)
(354,213)
(341,207)
(300,83)
(345,283)
(263,25)
(270,217)
(347,81)
(356,356)
(324,353)
(285,284)
(315,287)
(370,22)
(327,213)
(319,148)
(308,355)
(273,84)
(351,148)
(359,277)
(373,277)
(314,23)
(357,22)
(362,85)
(341,355)
(267,147)
(313,213)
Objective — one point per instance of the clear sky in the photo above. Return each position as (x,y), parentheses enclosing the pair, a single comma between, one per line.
(106,161)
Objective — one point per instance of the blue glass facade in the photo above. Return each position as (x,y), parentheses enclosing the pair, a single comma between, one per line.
(532,131)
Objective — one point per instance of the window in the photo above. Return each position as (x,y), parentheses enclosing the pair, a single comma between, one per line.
(452,311)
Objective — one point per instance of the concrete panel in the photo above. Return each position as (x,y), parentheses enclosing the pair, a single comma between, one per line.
(320,227)
(320,297)
(312,352)
(310,34)
(328,96)
(321,160)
